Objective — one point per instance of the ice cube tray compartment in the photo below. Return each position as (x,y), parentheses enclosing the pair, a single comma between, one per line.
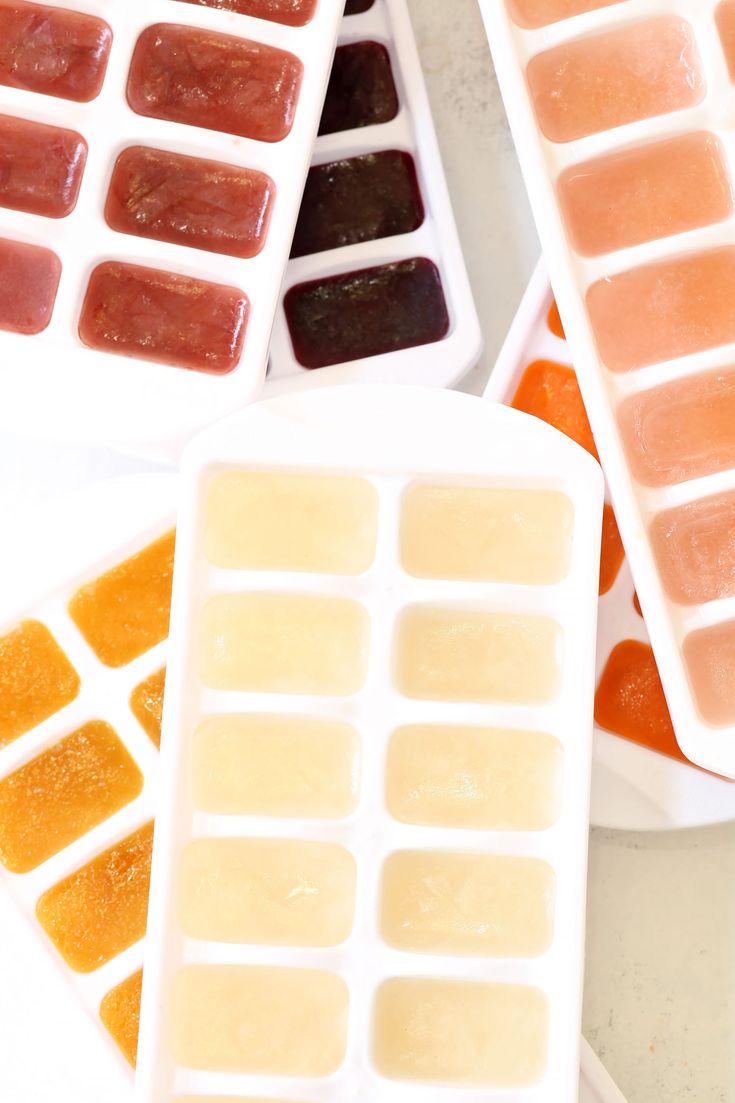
(87,753)
(650,303)
(437,363)
(455,441)
(145,405)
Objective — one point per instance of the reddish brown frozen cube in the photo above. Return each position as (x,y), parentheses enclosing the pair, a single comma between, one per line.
(51,50)
(172,319)
(29,280)
(294,13)
(201,78)
(190,201)
(41,167)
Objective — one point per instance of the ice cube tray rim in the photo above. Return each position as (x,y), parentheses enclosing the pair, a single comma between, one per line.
(541,160)
(230,445)
(151,408)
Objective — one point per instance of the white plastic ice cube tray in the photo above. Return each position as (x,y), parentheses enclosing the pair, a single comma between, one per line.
(56,386)
(633,788)
(456,439)
(571,275)
(444,362)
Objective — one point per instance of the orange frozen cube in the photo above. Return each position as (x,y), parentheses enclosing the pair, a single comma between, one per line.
(630,700)
(554,321)
(36,679)
(126,611)
(613,553)
(120,1014)
(551,392)
(63,793)
(146,702)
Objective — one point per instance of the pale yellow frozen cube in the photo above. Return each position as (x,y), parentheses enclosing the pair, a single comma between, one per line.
(284,643)
(276,766)
(279,892)
(491,779)
(486,534)
(449,654)
(282,521)
(461,1032)
(485,905)
(259,1019)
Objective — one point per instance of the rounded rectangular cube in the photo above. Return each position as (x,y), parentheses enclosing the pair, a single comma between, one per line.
(36,679)
(284,521)
(540,13)
(274,892)
(361,90)
(284,643)
(216,81)
(460,1032)
(293,766)
(53,51)
(478,905)
(709,656)
(259,1019)
(29,280)
(630,700)
(550,391)
(293,13)
(161,316)
(601,81)
(190,201)
(446,654)
(694,549)
(41,167)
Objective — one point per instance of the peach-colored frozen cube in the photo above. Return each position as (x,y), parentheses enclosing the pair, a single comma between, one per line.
(645,192)
(725,18)
(664,310)
(694,546)
(539,13)
(606,80)
(709,654)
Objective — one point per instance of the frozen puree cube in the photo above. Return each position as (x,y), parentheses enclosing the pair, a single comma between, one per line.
(36,679)
(101,909)
(484,778)
(120,1014)
(361,90)
(460,1032)
(284,643)
(539,13)
(294,13)
(725,17)
(283,521)
(277,892)
(126,611)
(482,905)
(694,546)
(445,654)
(51,50)
(161,316)
(63,793)
(201,78)
(550,391)
(29,280)
(606,80)
(41,167)
(146,703)
(259,1019)
(664,310)
(190,201)
(486,534)
(276,766)
(645,193)
(709,654)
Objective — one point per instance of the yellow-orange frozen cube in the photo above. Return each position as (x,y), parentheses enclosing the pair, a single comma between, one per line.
(36,679)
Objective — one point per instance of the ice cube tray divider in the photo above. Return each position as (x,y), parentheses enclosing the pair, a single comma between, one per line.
(571,274)
(444,362)
(146,407)
(454,439)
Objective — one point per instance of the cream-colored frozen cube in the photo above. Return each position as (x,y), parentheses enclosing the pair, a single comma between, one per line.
(258,1019)
(460,1032)
(284,521)
(446,654)
(262,765)
(284,643)
(484,905)
(478,533)
(491,779)
(279,892)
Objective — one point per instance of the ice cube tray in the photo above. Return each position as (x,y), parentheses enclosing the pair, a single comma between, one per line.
(644,294)
(411,131)
(634,786)
(151,407)
(374,686)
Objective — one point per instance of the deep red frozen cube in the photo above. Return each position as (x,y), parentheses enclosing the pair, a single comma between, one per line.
(190,201)
(173,319)
(51,50)
(41,167)
(198,77)
(29,280)
(294,13)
